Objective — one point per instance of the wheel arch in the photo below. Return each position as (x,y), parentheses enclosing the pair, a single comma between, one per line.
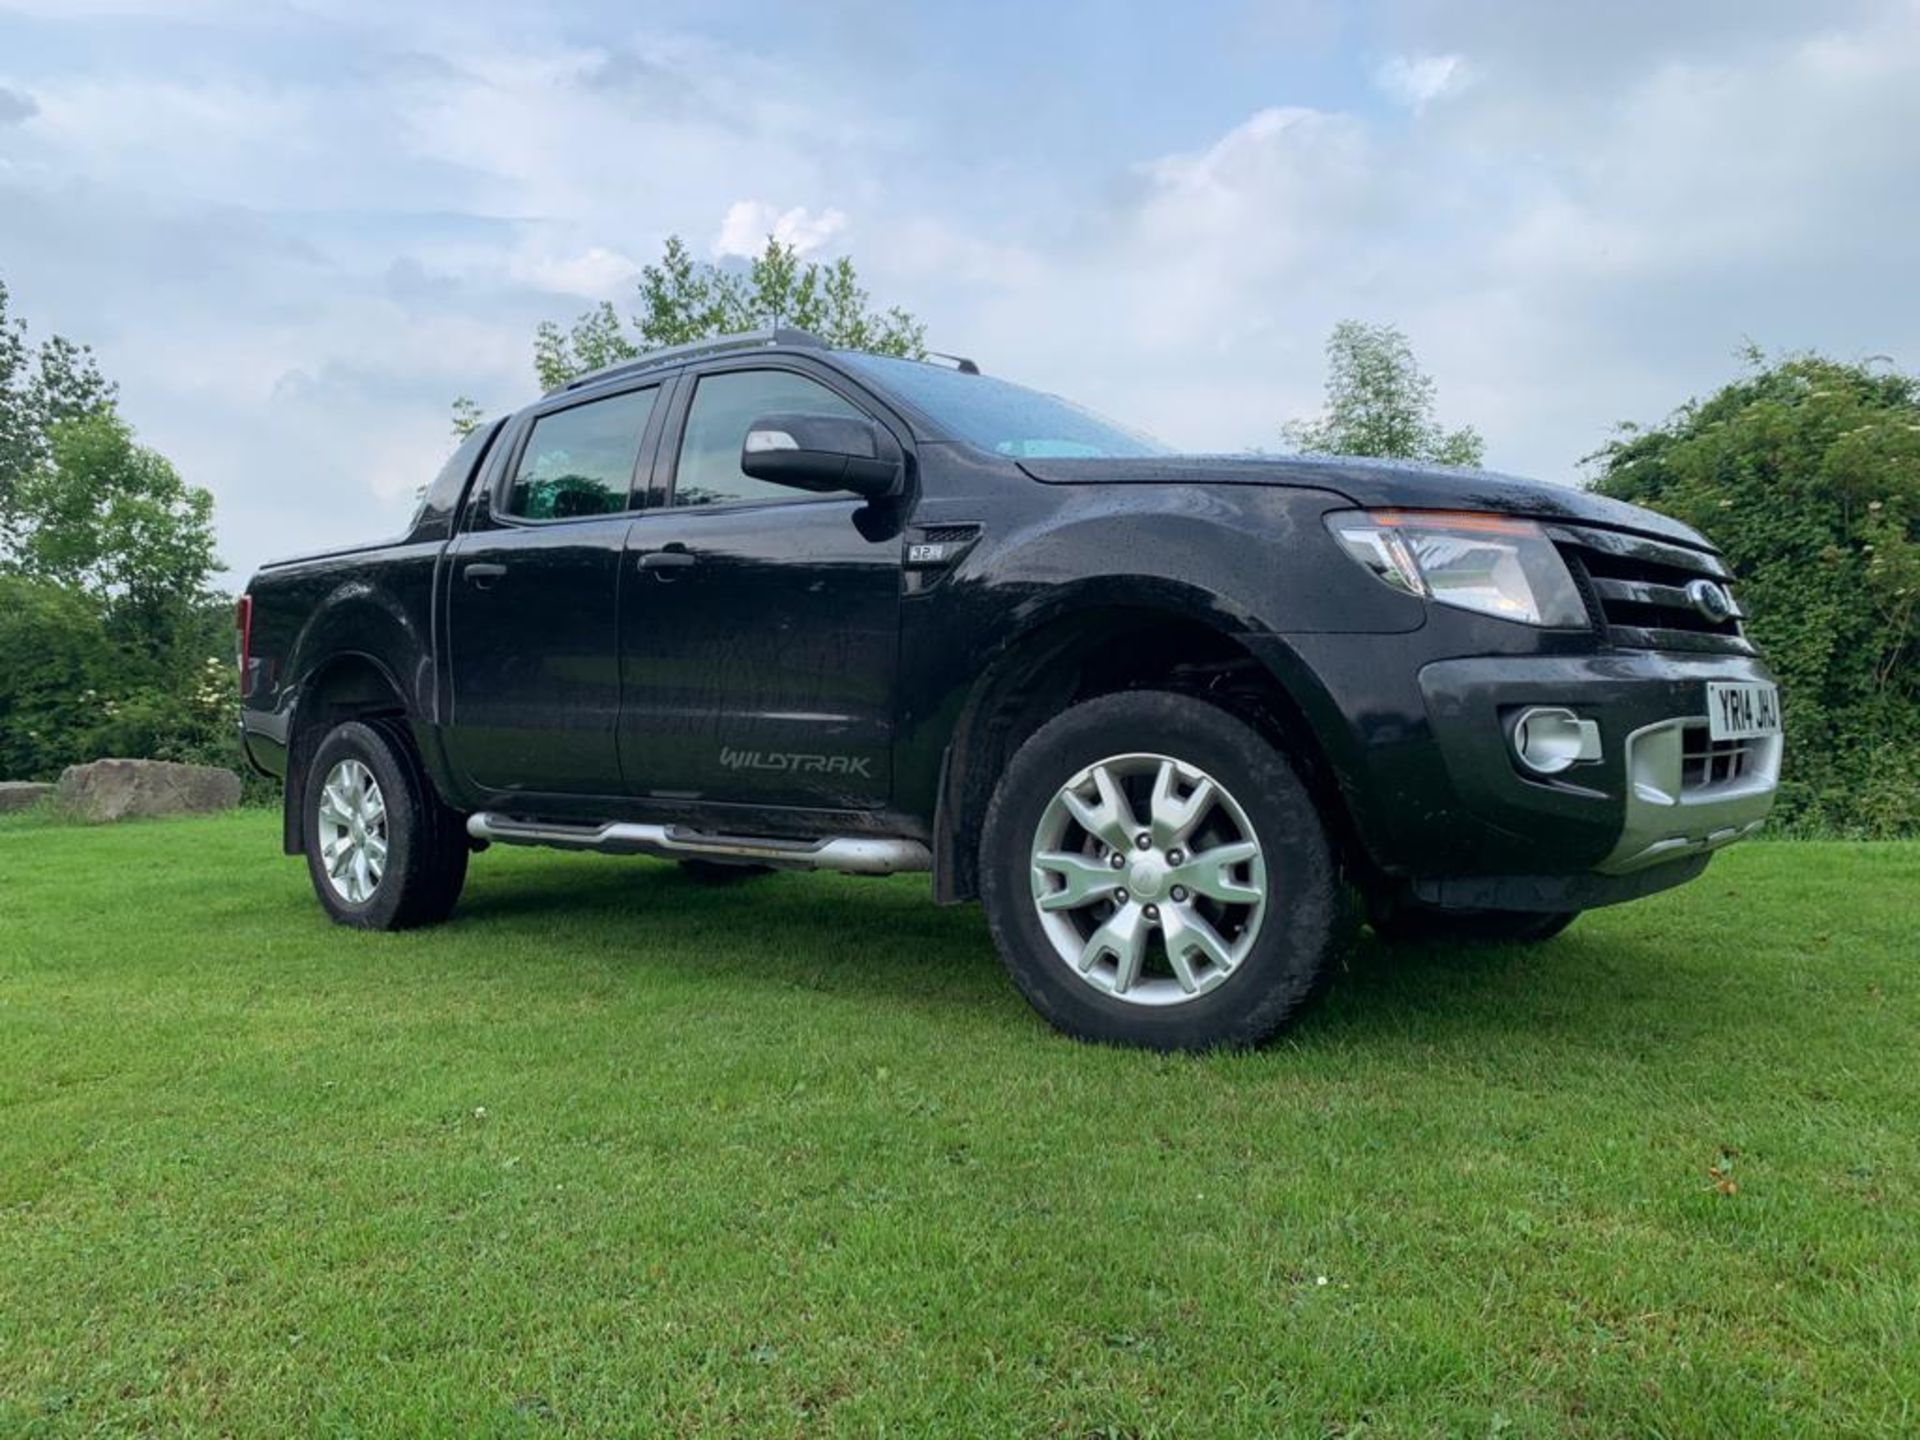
(348,685)
(1137,641)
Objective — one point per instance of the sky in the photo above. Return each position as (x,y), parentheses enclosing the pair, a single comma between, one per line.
(294,230)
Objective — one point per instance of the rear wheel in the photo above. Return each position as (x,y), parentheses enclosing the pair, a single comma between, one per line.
(1408,922)
(382,850)
(1156,874)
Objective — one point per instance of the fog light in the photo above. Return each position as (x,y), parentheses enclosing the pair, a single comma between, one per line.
(1549,738)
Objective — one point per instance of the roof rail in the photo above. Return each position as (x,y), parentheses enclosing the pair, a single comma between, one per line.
(960,362)
(718,345)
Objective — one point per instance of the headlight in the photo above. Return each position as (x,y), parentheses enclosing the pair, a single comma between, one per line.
(1490,563)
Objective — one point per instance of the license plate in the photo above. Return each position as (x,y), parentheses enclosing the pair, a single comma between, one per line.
(1742,709)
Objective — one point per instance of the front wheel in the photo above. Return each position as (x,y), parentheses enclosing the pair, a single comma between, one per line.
(383,852)
(1156,874)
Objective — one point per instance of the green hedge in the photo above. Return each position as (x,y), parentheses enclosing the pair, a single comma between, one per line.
(1807,475)
(73,690)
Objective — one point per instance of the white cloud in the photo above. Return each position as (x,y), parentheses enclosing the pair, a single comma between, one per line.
(747,224)
(292,271)
(291,280)
(595,272)
(120,9)
(1554,282)
(1261,191)
(16,106)
(1416,81)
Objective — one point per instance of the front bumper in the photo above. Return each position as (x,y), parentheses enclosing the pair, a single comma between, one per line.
(1677,806)
(1415,729)
(1659,795)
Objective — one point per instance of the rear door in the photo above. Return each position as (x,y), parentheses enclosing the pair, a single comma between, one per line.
(760,624)
(533,601)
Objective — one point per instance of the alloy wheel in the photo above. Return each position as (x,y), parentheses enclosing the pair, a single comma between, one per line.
(353,831)
(1148,878)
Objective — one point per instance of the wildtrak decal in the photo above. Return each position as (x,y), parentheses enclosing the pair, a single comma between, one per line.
(794,763)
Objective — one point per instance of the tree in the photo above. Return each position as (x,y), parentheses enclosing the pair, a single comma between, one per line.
(683,299)
(38,389)
(85,506)
(467,416)
(1807,474)
(72,690)
(1380,404)
(111,518)
(55,663)
(111,642)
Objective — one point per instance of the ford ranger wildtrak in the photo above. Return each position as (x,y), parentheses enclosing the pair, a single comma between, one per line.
(1176,721)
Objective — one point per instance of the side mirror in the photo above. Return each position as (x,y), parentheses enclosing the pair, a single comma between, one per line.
(822,453)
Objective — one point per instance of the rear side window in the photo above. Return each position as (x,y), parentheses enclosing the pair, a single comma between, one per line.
(579,461)
(723,407)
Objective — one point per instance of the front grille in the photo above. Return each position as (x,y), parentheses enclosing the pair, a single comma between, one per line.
(1637,591)
(1708,764)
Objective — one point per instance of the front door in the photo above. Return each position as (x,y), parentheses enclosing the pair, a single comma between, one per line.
(760,624)
(533,604)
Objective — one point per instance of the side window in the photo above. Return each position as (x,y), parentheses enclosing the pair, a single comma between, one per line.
(579,461)
(724,405)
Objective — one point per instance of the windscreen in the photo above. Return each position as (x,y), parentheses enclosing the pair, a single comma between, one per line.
(1004,418)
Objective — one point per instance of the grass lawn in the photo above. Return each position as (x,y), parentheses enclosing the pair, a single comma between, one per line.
(617,1153)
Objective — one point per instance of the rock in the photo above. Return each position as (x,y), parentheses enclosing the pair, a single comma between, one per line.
(22,794)
(119,789)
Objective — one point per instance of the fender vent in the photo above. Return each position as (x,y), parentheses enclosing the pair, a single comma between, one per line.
(933,551)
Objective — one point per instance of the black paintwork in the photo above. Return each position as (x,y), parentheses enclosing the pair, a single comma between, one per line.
(1375,483)
(692,664)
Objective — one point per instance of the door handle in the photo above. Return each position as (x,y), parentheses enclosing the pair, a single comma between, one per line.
(667,560)
(482,573)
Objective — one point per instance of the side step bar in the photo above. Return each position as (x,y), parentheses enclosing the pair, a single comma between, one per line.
(850,854)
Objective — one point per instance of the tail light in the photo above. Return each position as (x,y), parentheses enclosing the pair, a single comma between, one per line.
(243,636)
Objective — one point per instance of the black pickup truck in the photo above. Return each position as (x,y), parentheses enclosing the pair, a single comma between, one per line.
(1178,722)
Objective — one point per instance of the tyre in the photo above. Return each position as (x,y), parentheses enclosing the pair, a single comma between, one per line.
(1155,873)
(1409,922)
(384,853)
(716,872)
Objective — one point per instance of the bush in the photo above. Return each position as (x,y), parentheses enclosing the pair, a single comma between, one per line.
(54,658)
(1807,475)
(111,642)
(72,690)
